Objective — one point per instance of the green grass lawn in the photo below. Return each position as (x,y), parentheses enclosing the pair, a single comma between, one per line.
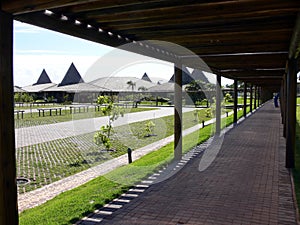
(83,200)
(296,171)
(33,119)
(240,101)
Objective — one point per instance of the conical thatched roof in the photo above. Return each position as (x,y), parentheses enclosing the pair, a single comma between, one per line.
(199,75)
(72,77)
(146,77)
(43,79)
(186,77)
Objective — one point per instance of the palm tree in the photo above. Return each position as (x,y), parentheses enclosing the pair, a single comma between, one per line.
(131,84)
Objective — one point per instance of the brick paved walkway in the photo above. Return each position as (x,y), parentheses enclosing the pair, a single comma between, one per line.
(246,184)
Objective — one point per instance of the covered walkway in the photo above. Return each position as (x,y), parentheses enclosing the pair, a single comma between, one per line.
(247,183)
(256,42)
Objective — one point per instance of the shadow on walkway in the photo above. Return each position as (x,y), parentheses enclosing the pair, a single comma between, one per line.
(247,183)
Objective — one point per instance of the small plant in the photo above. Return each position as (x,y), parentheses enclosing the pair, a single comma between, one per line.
(208,112)
(204,102)
(149,126)
(228,98)
(75,164)
(102,137)
(23,97)
(198,103)
(113,112)
(17,97)
(50,99)
(66,100)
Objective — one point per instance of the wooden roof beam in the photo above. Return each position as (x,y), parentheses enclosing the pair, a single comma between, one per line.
(17,7)
(278,34)
(252,73)
(236,48)
(201,11)
(295,40)
(203,26)
(128,5)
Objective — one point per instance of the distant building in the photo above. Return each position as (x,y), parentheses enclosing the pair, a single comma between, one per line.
(72,77)
(146,77)
(38,88)
(73,88)
(186,77)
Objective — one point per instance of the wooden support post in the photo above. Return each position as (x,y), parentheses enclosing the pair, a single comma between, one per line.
(286,106)
(291,113)
(218,105)
(281,100)
(251,97)
(245,99)
(235,102)
(259,102)
(8,188)
(178,111)
(255,96)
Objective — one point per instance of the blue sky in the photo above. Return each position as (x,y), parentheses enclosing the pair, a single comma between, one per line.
(36,49)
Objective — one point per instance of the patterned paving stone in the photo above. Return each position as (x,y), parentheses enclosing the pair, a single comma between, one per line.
(246,183)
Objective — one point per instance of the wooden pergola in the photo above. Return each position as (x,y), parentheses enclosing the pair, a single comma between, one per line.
(254,41)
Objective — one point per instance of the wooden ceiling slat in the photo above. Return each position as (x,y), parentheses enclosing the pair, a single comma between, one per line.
(208,26)
(24,6)
(225,11)
(128,5)
(241,48)
(220,37)
(18,7)
(253,73)
(247,61)
(294,48)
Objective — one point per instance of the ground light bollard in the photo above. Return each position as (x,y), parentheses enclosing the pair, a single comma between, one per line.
(129,151)
(203,125)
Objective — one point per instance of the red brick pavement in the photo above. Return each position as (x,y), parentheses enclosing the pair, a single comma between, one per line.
(246,184)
